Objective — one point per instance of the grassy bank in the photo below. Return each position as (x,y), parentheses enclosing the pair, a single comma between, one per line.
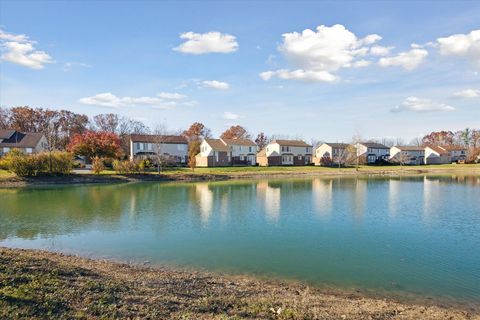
(210,174)
(39,285)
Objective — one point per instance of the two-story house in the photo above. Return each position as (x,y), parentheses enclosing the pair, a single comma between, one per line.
(444,154)
(173,149)
(372,152)
(329,153)
(226,152)
(408,155)
(285,152)
(28,142)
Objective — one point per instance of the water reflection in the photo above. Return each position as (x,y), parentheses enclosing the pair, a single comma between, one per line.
(415,231)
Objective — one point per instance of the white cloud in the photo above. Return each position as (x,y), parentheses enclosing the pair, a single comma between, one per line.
(467,45)
(408,60)
(317,55)
(67,66)
(171,96)
(380,50)
(230,116)
(421,105)
(468,93)
(210,42)
(303,75)
(361,63)
(108,99)
(19,49)
(217,85)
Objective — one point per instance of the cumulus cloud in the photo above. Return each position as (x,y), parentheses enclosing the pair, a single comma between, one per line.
(19,49)
(230,116)
(210,42)
(468,93)
(416,104)
(380,50)
(408,60)
(317,55)
(162,100)
(217,85)
(466,45)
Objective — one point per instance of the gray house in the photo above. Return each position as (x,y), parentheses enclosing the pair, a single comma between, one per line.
(28,142)
(173,149)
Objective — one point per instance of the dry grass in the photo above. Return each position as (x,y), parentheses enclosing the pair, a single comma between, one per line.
(40,285)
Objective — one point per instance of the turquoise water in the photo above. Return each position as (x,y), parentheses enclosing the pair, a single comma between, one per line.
(416,235)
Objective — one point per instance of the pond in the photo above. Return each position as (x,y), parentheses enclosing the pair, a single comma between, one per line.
(410,235)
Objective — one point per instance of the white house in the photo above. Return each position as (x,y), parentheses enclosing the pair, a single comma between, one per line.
(28,142)
(444,154)
(285,152)
(226,152)
(372,151)
(409,155)
(174,149)
(329,152)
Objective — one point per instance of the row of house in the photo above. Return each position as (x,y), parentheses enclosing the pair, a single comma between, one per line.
(244,152)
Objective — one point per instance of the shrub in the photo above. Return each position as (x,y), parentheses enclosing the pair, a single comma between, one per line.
(25,165)
(126,167)
(97,165)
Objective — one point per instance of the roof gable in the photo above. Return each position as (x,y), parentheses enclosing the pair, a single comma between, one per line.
(292,143)
(152,138)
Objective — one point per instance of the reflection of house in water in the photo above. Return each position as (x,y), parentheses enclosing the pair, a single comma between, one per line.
(205,200)
(431,197)
(272,197)
(394,202)
(322,196)
(361,186)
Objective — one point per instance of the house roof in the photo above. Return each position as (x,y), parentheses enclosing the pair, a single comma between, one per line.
(439,150)
(292,143)
(410,148)
(239,142)
(217,145)
(374,145)
(22,140)
(170,139)
(453,148)
(337,145)
(5,134)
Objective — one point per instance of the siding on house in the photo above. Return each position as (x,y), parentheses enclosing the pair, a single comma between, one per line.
(286,152)
(226,152)
(173,148)
(28,142)
(372,151)
(329,152)
(409,155)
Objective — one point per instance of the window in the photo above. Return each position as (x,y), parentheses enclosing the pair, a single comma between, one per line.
(306,149)
(6,149)
(28,150)
(240,148)
(138,145)
(283,148)
(249,149)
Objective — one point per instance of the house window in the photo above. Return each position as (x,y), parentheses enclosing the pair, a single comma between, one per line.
(240,148)
(249,149)
(283,148)
(28,150)
(6,149)
(306,149)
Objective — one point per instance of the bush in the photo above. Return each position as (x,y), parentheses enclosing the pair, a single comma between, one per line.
(25,165)
(97,165)
(126,167)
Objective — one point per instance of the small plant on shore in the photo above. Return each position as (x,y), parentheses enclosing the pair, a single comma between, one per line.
(127,167)
(28,165)
(97,165)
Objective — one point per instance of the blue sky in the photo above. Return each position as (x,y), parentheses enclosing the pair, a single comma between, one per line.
(375,69)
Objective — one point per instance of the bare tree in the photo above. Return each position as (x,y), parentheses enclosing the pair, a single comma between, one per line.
(345,156)
(402,158)
(159,137)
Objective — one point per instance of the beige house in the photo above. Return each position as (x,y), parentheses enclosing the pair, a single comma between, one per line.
(285,152)
(329,153)
(444,154)
(174,149)
(226,152)
(28,142)
(408,155)
(372,152)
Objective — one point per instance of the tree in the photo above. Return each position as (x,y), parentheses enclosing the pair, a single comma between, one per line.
(235,132)
(193,150)
(345,156)
(107,122)
(159,138)
(95,144)
(197,131)
(441,138)
(261,140)
(4,118)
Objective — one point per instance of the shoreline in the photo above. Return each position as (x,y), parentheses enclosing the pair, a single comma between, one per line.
(88,178)
(36,284)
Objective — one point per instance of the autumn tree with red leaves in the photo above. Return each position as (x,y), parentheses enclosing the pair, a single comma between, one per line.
(197,131)
(95,144)
(439,138)
(235,132)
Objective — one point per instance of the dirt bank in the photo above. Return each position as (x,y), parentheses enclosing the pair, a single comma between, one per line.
(40,285)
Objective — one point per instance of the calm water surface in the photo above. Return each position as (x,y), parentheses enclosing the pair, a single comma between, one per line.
(406,235)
